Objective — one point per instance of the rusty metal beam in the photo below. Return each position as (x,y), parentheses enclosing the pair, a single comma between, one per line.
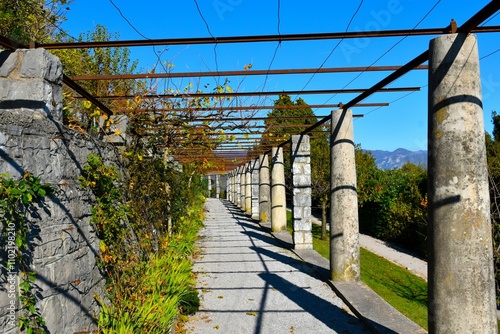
(254,107)
(225,119)
(263,93)
(469,26)
(243,73)
(261,38)
(80,90)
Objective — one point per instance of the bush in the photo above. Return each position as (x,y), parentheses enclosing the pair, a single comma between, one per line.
(149,278)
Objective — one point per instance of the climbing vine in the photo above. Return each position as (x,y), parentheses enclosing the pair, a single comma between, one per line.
(108,211)
(150,285)
(16,202)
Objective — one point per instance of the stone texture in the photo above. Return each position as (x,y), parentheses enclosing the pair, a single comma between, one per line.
(264,189)
(344,222)
(38,63)
(461,275)
(301,182)
(33,140)
(243,181)
(278,194)
(248,189)
(8,60)
(255,188)
(217,186)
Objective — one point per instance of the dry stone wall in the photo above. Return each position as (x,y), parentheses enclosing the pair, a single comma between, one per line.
(33,139)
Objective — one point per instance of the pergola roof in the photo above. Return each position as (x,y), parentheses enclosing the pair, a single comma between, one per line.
(244,125)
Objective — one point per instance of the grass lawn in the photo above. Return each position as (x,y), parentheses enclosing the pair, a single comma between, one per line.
(399,287)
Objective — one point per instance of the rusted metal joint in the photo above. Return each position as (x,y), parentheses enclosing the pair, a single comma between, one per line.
(453,27)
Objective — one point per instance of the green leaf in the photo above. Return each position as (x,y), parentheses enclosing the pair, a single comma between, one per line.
(27,198)
(19,242)
(24,286)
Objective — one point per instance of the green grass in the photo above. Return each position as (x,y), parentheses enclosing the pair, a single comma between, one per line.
(405,291)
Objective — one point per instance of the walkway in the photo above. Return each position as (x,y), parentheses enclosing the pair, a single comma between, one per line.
(249,283)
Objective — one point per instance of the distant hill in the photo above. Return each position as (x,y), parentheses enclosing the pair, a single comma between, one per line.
(397,158)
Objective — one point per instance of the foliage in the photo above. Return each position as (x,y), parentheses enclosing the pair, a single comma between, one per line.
(31,20)
(151,295)
(392,203)
(108,212)
(99,61)
(147,262)
(17,201)
(173,124)
(493,155)
(320,176)
(279,127)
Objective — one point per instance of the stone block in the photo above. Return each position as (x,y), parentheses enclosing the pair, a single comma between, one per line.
(298,212)
(39,63)
(301,180)
(302,225)
(302,197)
(117,132)
(297,169)
(302,240)
(307,169)
(8,61)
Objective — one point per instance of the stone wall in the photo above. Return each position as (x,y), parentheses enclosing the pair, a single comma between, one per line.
(33,139)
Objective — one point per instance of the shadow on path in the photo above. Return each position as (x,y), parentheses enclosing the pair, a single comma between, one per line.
(335,318)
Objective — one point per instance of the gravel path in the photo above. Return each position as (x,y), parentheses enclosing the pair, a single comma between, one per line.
(391,253)
(412,263)
(248,283)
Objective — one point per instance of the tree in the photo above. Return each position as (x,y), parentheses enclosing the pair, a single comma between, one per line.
(99,61)
(280,127)
(493,156)
(23,21)
(392,203)
(320,176)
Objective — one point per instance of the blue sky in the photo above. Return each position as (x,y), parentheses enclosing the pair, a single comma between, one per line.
(402,124)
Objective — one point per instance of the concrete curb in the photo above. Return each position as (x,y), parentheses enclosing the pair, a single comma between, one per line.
(375,312)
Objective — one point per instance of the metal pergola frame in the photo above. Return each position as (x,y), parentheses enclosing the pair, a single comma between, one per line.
(470,26)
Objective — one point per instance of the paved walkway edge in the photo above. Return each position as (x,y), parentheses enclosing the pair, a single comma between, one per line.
(373,310)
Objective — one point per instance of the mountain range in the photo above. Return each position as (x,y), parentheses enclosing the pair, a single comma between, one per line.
(397,158)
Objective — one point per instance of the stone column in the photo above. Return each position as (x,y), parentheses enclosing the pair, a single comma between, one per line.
(461,275)
(255,189)
(243,181)
(301,182)
(278,194)
(217,185)
(229,185)
(264,189)
(233,186)
(344,223)
(209,178)
(237,187)
(248,189)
